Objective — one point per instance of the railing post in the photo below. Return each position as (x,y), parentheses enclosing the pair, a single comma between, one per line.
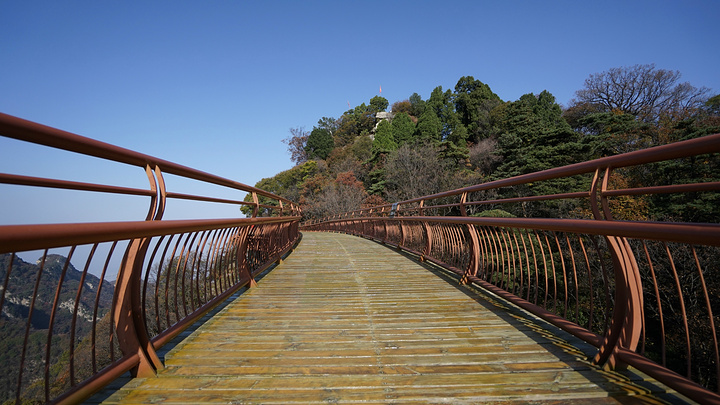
(256,208)
(627,320)
(128,314)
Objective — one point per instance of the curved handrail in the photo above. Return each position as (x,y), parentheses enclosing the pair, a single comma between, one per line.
(28,131)
(169,273)
(637,290)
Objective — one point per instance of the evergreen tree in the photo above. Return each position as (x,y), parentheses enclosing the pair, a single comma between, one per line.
(384,141)
(473,103)
(319,144)
(417,105)
(429,126)
(402,128)
(378,104)
(535,137)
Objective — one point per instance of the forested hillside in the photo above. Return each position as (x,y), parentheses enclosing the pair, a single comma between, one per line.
(26,278)
(469,135)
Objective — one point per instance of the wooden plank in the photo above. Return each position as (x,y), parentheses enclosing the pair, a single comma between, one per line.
(343,319)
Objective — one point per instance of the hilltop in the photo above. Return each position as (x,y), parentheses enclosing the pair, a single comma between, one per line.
(469,135)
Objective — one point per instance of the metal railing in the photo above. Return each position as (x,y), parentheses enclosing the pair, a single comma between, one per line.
(645,293)
(66,331)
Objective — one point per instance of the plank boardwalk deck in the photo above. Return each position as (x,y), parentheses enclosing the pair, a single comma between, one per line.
(347,320)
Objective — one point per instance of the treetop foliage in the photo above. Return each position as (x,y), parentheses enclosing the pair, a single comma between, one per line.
(643,91)
(468,135)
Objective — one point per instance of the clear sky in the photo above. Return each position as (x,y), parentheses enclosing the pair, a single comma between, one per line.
(216,85)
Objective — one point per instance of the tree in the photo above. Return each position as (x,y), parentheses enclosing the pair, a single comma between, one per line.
(384,141)
(319,144)
(328,123)
(286,184)
(441,103)
(378,104)
(452,128)
(417,105)
(296,143)
(362,148)
(643,91)
(535,137)
(343,194)
(429,126)
(713,105)
(473,103)
(402,128)
(417,170)
(353,123)
(403,106)
(612,133)
(483,157)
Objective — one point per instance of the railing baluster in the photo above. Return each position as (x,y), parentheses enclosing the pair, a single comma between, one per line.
(683,313)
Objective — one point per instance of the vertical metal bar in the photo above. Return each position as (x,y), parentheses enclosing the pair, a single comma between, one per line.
(575,280)
(158,281)
(73,323)
(659,305)
(565,281)
(527,265)
(201,249)
(485,246)
(211,264)
(537,277)
(207,276)
(180,275)
(494,255)
(168,273)
(428,239)
(520,265)
(474,264)
(606,284)
(234,254)
(27,326)
(547,286)
(499,258)
(590,284)
(190,251)
(147,277)
(95,308)
(243,264)
(53,312)
(177,262)
(710,317)
(511,260)
(222,259)
(218,260)
(553,272)
(682,308)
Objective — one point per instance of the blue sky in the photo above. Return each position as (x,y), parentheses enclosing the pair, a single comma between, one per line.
(216,85)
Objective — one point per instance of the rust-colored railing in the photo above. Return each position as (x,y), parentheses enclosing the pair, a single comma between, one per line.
(66,331)
(645,293)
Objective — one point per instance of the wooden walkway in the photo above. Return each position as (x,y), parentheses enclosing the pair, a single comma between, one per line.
(347,320)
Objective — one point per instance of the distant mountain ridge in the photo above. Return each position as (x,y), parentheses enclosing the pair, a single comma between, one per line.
(16,307)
